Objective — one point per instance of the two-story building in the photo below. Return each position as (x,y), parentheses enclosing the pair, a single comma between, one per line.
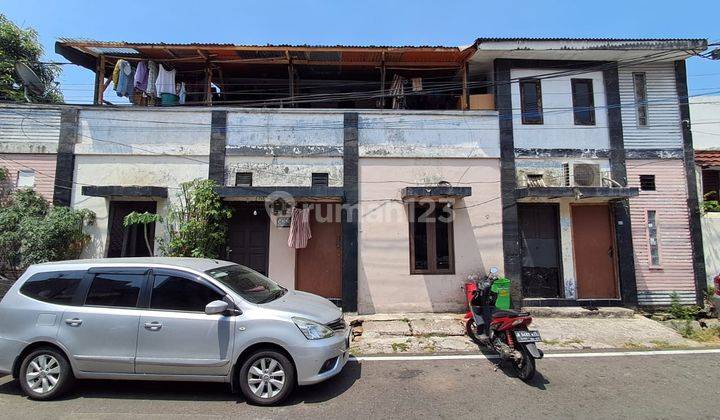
(562,161)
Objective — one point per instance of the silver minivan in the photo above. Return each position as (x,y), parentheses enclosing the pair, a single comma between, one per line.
(183,319)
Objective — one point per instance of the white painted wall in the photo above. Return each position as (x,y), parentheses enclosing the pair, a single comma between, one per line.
(385,283)
(451,134)
(283,170)
(705,114)
(558,129)
(711,242)
(663,130)
(167,171)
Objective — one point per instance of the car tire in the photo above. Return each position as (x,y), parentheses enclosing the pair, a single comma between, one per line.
(45,374)
(266,377)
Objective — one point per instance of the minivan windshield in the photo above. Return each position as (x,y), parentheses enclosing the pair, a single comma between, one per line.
(248,283)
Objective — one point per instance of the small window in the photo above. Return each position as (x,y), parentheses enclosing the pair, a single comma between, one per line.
(26,179)
(121,290)
(431,239)
(531,101)
(647,182)
(176,293)
(320,179)
(583,101)
(243,179)
(710,184)
(55,287)
(641,107)
(654,247)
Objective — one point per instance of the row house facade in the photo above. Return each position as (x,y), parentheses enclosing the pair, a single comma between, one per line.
(567,163)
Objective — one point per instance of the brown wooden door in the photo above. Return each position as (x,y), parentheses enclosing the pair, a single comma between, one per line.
(249,236)
(318,267)
(594,252)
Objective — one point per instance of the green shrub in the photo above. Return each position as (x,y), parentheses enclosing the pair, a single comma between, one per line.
(680,311)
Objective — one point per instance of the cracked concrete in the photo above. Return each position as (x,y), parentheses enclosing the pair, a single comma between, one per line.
(439,333)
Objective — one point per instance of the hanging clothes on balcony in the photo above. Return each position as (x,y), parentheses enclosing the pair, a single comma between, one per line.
(141,77)
(182,93)
(165,81)
(299,228)
(152,71)
(124,86)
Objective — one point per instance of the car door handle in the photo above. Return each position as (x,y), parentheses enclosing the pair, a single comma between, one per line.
(74,322)
(153,326)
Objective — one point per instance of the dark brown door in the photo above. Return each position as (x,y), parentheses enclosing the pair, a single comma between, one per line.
(248,237)
(540,245)
(318,267)
(594,252)
(129,241)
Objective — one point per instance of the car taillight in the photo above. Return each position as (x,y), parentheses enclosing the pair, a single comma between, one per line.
(717,285)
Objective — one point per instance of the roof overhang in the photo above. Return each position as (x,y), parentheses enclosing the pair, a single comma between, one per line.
(707,158)
(86,53)
(435,193)
(316,193)
(595,49)
(604,193)
(124,191)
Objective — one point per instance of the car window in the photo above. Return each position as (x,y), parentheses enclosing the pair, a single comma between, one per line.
(248,283)
(55,287)
(177,293)
(119,289)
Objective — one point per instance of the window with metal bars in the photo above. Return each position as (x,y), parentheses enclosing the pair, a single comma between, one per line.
(583,101)
(641,106)
(320,179)
(243,179)
(531,101)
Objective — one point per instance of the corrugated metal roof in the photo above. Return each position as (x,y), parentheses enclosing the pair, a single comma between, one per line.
(707,157)
(590,39)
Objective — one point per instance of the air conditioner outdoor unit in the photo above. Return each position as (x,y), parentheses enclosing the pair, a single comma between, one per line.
(582,175)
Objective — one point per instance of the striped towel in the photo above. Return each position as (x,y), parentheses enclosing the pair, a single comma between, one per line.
(299,228)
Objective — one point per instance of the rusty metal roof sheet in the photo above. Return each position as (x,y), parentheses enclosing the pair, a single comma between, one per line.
(707,157)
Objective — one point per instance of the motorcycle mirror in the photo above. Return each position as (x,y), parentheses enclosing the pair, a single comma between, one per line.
(494,270)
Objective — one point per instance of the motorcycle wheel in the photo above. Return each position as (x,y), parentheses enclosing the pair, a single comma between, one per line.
(471,331)
(525,367)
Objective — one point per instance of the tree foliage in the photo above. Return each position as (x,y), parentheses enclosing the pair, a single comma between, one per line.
(32,231)
(197,224)
(143,219)
(18,44)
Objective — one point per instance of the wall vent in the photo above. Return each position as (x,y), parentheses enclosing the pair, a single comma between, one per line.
(243,179)
(320,179)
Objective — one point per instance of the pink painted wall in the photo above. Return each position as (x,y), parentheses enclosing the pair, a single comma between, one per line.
(675,272)
(42,164)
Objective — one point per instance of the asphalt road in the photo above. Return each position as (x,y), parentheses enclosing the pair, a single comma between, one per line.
(658,386)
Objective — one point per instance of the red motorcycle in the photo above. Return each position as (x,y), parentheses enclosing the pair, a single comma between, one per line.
(504,331)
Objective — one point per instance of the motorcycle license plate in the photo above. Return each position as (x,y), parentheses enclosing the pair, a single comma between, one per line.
(527,336)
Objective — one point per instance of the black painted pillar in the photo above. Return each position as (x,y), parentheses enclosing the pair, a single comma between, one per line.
(508,183)
(349,215)
(65,163)
(620,208)
(218,140)
(693,202)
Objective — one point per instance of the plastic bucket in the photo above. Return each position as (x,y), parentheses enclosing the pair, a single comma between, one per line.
(501,286)
(169,99)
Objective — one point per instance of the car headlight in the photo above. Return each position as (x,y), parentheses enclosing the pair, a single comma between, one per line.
(312,330)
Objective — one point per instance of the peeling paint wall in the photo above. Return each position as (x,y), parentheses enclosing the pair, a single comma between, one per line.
(29,129)
(283,171)
(558,129)
(385,283)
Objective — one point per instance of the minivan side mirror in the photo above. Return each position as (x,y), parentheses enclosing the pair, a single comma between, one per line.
(216,307)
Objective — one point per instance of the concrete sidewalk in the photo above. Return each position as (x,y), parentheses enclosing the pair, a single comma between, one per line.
(560,328)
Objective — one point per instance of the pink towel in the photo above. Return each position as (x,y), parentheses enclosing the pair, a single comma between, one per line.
(299,228)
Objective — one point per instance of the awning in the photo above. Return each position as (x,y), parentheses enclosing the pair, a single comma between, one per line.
(316,193)
(610,193)
(122,191)
(435,193)
(707,158)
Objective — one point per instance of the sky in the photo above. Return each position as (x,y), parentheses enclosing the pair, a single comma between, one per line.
(389,22)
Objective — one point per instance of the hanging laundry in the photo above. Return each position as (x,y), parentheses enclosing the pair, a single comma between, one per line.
(299,228)
(116,73)
(182,93)
(165,81)
(124,79)
(141,77)
(152,71)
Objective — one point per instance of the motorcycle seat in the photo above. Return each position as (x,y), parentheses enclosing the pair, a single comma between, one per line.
(509,314)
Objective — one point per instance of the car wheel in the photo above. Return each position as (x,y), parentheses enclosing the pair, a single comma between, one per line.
(266,377)
(45,374)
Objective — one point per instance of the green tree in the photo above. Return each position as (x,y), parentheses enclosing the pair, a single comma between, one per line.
(197,224)
(32,231)
(18,44)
